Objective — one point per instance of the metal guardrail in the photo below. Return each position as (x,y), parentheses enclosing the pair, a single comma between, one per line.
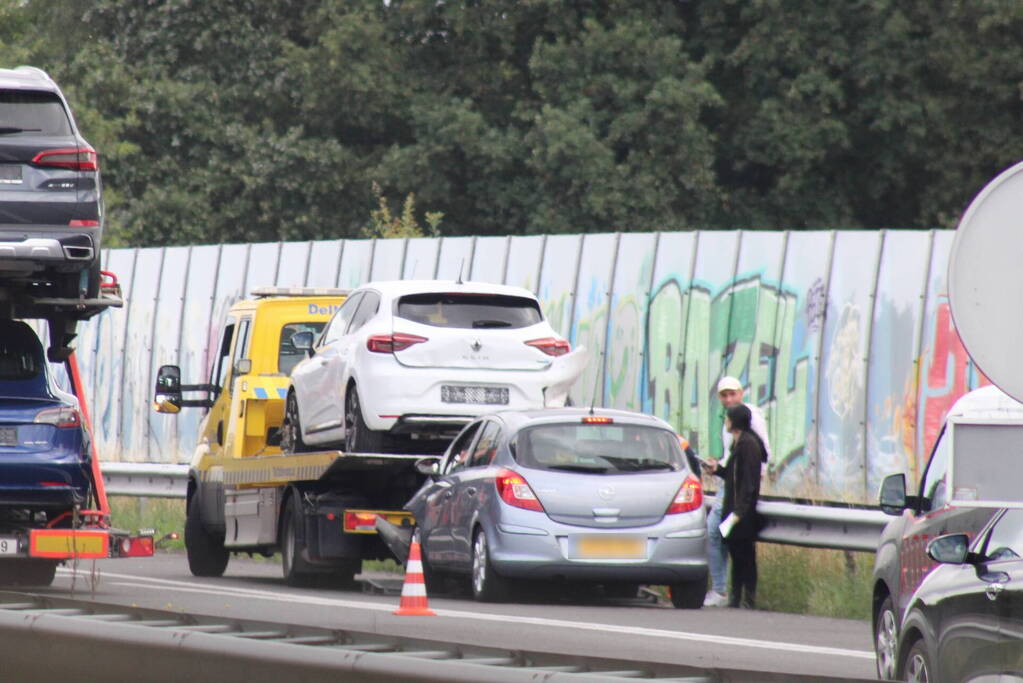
(120,643)
(144,479)
(788,523)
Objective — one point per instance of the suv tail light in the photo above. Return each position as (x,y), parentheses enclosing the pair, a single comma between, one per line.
(515,491)
(551,346)
(79,223)
(688,498)
(59,417)
(74,158)
(389,343)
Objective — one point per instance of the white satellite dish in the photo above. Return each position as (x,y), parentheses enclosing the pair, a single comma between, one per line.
(985,281)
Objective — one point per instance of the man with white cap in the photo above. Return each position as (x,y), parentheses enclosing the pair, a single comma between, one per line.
(730,393)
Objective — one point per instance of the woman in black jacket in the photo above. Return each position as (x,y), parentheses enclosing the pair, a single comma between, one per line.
(740,470)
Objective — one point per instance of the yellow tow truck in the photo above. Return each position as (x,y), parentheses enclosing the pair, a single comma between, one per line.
(246,496)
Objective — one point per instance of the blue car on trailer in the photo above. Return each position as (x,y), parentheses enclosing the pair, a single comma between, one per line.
(45,470)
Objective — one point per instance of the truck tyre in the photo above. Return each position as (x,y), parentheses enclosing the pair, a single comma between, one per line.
(358,437)
(296,569)
(487,584)
(291,427)
(689,595)
(206,553)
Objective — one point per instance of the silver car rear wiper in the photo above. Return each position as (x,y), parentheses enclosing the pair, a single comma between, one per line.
(578,468)
(8,130)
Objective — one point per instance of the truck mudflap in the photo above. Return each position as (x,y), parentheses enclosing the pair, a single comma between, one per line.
(70,544)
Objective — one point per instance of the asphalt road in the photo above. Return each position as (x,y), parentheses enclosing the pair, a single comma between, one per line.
(584,624)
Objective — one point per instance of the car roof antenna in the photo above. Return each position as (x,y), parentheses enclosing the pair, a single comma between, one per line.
(461,267)
(593,399)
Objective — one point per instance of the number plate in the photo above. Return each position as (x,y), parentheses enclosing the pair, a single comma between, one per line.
(10,175)
(8,545)
(477,395)
(8,436)
(608,547)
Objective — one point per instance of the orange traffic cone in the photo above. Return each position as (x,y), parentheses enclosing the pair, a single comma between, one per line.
(413,591)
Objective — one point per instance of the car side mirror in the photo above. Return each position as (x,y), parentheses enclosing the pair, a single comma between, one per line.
(242,367)
(303,341)
(428,466)
(168,388)
(893,494)
(950,549)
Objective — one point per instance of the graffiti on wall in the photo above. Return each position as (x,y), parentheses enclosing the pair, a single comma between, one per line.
(747,330)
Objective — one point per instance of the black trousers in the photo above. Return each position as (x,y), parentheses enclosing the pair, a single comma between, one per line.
(743,590)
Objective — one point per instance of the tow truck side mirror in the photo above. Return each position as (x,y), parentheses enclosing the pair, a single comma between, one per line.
(303,341)
(893,494)
(167,397)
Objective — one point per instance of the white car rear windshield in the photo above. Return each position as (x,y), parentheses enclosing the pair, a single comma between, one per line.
(598,448)
(32,112)
(469,311)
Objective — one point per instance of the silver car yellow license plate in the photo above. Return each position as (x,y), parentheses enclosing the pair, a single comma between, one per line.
(607,547)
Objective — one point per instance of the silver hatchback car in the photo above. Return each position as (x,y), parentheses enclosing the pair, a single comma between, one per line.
(572,494)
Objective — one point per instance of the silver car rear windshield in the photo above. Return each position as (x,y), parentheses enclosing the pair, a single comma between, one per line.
(598,448)
(469,311)
(32,112)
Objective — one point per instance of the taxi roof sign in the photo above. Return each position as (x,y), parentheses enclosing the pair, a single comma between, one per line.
(266,292)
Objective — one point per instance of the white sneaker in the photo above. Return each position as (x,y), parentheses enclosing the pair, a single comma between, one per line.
(715,599)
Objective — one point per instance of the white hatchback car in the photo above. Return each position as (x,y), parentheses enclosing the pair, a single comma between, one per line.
(418,360)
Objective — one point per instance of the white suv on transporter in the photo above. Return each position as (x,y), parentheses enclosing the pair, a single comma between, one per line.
(420,359)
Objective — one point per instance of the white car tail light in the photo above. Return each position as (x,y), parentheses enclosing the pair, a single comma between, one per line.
(688,498)
(552,346)
(389,343)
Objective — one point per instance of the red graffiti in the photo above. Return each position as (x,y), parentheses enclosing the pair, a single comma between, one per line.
(944,384)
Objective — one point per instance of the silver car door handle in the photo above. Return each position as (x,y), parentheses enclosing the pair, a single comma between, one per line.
(994,590)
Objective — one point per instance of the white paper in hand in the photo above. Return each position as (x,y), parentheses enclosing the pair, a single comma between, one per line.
(725,527)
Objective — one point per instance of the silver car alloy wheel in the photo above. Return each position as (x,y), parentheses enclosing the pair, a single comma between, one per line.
(479,562)
(886,644)
(916,669)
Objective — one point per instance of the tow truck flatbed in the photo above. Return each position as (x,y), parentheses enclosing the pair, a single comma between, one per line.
(282,469)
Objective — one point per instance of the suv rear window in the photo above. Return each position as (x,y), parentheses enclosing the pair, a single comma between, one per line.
(598,448)
(288,356)
(32,112)
(469,311)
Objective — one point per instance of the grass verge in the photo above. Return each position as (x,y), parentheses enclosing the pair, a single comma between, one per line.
(814,581)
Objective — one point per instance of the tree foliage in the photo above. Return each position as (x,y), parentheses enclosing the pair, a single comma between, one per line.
(300,119)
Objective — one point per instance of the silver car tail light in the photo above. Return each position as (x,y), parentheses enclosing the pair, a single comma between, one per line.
(515,491)
(688,498)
